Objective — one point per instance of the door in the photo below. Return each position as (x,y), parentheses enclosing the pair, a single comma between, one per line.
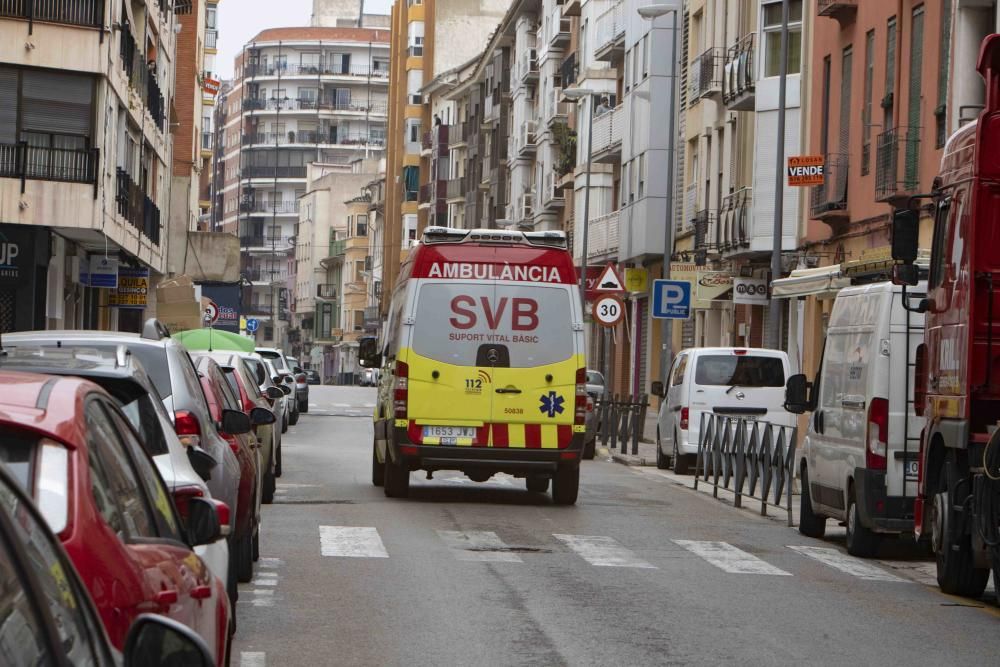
(670,414)
(825,430)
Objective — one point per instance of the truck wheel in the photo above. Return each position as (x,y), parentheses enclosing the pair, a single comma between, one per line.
(861,541)
(397,480)
(681,464)
(566,485)
(662,462)
(589,449)
(537,483)
(956,571)
(810,523)
(378,468)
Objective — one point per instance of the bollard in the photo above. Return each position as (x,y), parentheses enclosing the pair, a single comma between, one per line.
(623,427)
(614,422)
(637,423)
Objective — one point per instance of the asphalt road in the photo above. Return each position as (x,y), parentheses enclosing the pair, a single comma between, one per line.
(639,572)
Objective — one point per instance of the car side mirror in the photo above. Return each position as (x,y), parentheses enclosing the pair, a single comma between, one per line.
(657,389)
(285,389)
(274,393)
(797,394)
(905,274)
(201,461)
(158,641)
(905,235)
(235,422)
(204,523)
(261,416)
(276,380)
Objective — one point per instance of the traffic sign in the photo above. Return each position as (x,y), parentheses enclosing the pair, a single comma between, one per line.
(211,312)
(608,310)
(609,281)
(671,299)
(252,325)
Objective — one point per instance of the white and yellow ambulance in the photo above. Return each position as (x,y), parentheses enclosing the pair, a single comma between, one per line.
(483,365)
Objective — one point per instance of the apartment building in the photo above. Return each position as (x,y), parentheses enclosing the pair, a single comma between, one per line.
(210,87)
(300,95)
(428,39)
(85,160)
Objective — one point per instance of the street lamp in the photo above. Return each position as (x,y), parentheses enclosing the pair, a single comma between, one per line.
(575,94)
(651,13)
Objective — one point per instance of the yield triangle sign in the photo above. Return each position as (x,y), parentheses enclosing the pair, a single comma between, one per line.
(609,281)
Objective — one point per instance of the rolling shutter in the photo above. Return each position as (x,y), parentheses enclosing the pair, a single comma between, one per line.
(56,103)
(8,111)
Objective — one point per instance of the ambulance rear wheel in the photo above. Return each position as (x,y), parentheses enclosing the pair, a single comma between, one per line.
(397,480)
(566,485)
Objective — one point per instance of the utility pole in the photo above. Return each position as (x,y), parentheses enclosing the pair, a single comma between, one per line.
(773,311)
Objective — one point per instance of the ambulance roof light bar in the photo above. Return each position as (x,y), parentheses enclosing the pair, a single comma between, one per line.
(551,239)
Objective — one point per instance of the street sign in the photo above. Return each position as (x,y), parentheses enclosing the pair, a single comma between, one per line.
(252,325)
(637,280)
(671,299)
(103,272)
(805,171)
(750,291)
(609,281)
(608,310)
(211,312)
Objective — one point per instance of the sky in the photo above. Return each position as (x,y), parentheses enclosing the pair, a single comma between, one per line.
(240,20)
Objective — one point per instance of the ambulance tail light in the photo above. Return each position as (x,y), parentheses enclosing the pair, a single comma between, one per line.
(877,435)
(685,418)
(401,395)
(580,414)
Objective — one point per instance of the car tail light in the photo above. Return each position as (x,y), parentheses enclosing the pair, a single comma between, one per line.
(580,414)
(187,428)
(234,443)
(402,392)
(739,353)
(300,378)
(877,435)
(224,514)
(685,418)
(590,403)
(182,499)
(920,380)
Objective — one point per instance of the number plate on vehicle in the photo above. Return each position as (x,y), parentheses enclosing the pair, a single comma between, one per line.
(749,418)
(911,468)
(449,432)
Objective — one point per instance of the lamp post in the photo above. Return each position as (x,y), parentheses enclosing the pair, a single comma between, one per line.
(651,13)
(773,313)
(579,94)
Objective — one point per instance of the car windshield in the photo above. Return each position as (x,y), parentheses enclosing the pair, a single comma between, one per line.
(743,371)
(276,359)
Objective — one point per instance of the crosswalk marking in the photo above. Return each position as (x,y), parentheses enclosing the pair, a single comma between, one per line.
(253,659)
(478,546)
(847,564)
(602,551)
(728,558)
(351,542)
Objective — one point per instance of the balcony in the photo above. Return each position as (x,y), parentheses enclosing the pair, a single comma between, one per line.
(611,33)
(529,138)
(436,141)
(49,164)
(279,208)
(602,237)
(254,171)
(456,190)
(569,70)
(738,75)
(829,201)
(136,207)
(703,224)
(704,75)
(433,193)
(842,10)
(326,291)
(211,38)
(84,13)
(553,197)
(329,69)
(607,139)
(526,206)
(562,27)
(557,111)
(571,7)
(897,164)
(337,249)
(269,243)
(265,276)
(529,66)
(732,233)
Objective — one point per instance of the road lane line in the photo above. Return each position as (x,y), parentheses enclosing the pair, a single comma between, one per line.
(253,659)
(602,551)
(351,542)
(478,546)
(847,564)
(728,558)
(270,562)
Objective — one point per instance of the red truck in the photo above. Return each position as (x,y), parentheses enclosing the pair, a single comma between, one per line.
(957,386)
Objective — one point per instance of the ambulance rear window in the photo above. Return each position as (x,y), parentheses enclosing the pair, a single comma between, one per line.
(530,324)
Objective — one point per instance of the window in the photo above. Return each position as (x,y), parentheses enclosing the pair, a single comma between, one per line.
(866,108)
(641,188)
(824,133)
(944,62)
(742,371)
(210,17)
(145,419)
(772,37)
(415,38)
(340,63)
(890,74)
(938,255)
(361,226)
(309,63)
(915,93)
(679,366)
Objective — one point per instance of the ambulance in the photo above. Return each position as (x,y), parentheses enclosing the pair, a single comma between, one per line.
(482,363)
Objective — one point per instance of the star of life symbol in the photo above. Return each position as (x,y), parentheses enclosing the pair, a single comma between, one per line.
(552,404)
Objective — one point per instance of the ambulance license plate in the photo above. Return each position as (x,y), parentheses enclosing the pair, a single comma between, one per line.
(449,432)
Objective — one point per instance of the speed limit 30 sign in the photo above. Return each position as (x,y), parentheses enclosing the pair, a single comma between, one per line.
(608,310)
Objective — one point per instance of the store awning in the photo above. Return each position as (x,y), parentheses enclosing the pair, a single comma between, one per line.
(823,282)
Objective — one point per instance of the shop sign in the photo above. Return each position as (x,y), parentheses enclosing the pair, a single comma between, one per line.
(709,286)
(226,298)
(15,257)
(103,272)
(750,291)
(133,287)
(636,280)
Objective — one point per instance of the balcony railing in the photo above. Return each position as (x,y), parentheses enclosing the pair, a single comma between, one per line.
(733,230)
(259,275)
(87,13)
(433,192)
(211,38)
(281,207)
(552,195)
(829,201)
(49,164)
(557,111)
(456,188)
(529,65)
(608,132)
(738,75)
(603,235)
(292,104)
(561,29)
(702,223)
(326,291)
(254,171)
(275,70)
(897,163)
(275,242)
(136,207)
(704,74)
(610,31)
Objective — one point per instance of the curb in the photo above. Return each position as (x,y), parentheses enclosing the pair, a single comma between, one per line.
(639,461)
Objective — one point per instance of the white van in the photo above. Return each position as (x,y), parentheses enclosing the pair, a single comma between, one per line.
(859,456)
(731,381)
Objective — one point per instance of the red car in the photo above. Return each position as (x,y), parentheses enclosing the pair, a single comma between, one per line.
(69,445)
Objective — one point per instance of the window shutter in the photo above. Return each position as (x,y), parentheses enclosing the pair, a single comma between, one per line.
(8,111)
(56,103)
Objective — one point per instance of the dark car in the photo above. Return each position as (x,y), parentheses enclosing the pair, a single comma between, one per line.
(312,377)
(46,614)
(301,384)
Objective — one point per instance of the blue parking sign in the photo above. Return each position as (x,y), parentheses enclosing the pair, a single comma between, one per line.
(671,299)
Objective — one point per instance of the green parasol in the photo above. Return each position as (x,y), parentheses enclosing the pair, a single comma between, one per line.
(214,339)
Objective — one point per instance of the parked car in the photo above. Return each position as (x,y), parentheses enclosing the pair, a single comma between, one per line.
(301,384)
(743,382)
(595,383)
(69,445)
(220,397)
(369,377)
(275,379)
(312,377)
(47,616)
(176,381)
(860,453)
(287,377)
(123,376)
